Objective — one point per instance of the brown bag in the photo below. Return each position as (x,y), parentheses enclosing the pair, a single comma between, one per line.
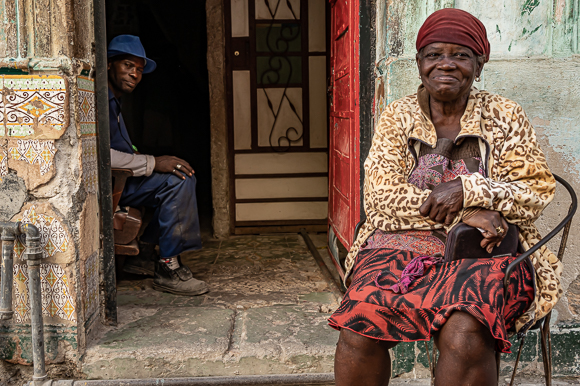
(463,242)
(126,224)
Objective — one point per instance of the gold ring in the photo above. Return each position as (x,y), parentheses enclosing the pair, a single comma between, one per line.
(178,167)
(499,230)
(173,171)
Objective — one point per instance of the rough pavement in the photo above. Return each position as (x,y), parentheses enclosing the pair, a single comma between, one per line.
(265,314)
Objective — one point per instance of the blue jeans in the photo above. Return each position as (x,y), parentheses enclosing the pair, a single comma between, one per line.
(175,223)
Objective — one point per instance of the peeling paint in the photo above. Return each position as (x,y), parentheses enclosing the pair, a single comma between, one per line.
(564,138)
(559,10)
(529,6)
(528,33)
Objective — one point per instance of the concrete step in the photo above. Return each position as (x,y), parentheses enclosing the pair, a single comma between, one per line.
(266,313)
(209,341)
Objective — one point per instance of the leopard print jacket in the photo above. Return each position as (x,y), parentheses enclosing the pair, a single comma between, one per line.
(519,186)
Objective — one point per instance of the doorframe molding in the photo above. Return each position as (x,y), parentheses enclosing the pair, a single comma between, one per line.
(367,41)
(218,101)
(362,21)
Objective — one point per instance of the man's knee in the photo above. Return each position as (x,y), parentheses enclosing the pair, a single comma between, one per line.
(188,183)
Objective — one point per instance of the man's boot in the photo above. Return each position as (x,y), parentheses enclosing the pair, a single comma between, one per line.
(172,276)
(144,262)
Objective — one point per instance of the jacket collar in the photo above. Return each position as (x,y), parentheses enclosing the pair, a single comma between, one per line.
(112,97)
(423,129)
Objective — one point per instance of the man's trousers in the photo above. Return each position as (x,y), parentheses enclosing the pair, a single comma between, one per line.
(175,223)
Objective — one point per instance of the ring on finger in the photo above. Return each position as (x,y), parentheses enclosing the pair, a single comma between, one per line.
(178,167)
(499,230)
(173,171)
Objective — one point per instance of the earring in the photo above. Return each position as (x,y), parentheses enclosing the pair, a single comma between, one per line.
(477,79)
(419,76)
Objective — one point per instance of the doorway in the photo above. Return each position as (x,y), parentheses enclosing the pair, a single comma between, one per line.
(277,66)
(168,113)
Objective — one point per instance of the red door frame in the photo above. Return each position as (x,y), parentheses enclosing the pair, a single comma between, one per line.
(344,120)
(358,16)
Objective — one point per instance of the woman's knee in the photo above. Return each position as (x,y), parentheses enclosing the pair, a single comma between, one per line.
(464,336)
(351,341)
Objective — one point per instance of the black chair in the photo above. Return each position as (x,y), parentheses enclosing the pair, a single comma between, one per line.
(542,325)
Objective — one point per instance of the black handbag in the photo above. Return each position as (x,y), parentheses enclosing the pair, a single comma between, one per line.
(463,242)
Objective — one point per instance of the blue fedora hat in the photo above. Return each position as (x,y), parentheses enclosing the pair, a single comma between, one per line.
(129,44)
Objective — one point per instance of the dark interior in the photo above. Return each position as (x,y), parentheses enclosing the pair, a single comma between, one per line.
(168,113)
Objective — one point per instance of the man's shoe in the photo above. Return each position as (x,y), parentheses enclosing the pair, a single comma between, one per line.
(179,281)
(144,262)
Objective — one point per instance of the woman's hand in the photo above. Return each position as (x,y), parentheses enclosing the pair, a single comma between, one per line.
(444,202)
(494,225)
(174,165)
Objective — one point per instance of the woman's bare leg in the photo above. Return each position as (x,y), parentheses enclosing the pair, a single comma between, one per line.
(361,361)
(467,353)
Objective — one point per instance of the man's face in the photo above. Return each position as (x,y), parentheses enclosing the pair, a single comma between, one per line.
(125,73)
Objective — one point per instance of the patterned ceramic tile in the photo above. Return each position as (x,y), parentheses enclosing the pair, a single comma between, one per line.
(91,278)
(3,159)
(3,126)
(86,105)
(34,151)
(56,297)
(20,303)
(53,236)
(35,106)
(89,163)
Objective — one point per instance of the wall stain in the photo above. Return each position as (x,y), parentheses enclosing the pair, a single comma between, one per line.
(529,6)
(525,32)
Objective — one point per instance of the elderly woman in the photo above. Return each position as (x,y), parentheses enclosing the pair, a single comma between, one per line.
(448,153)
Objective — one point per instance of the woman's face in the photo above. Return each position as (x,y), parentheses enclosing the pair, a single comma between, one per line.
(448,70)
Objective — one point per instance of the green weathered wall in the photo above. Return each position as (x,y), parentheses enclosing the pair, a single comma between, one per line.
(535,61)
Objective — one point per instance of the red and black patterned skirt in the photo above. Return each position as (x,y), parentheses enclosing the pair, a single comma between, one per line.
(473,286)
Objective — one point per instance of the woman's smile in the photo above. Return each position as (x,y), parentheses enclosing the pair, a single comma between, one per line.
(445,78)
(447,70)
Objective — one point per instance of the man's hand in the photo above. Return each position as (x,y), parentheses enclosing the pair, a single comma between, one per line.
(444,202)
(494,225)
(170,164)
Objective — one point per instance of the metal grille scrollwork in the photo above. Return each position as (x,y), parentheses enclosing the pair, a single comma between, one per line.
(281,38)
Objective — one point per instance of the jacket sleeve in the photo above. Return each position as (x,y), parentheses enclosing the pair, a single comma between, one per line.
(391,203)
(140,164)
(521,185)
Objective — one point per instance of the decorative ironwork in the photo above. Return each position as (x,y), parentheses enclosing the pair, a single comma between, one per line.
(274,73)
(288,4)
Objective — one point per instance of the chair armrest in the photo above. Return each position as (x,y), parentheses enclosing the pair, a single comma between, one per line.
(566,222)
(119,179)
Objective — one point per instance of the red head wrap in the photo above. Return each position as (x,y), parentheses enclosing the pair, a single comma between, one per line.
(450,25)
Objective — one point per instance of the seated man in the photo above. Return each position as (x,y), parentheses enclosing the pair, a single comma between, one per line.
(166,184)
